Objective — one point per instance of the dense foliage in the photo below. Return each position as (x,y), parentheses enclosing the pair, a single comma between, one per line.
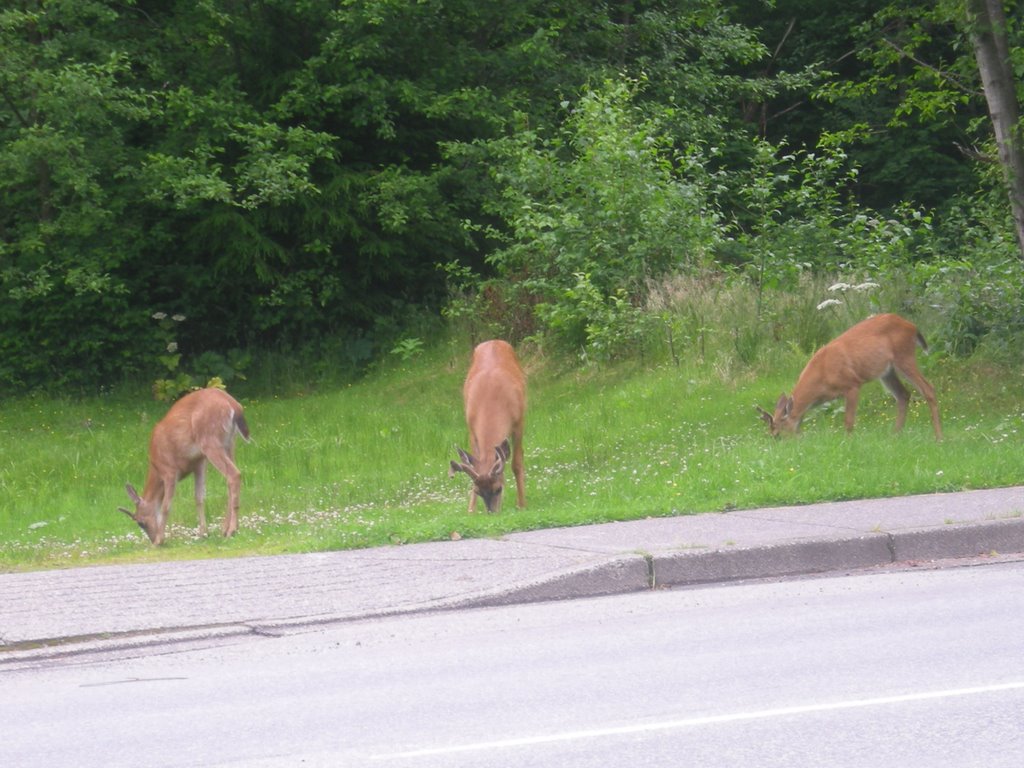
(187,188)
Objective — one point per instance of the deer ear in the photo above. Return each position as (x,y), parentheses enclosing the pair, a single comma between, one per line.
(504,450)
(456,467)
(132,494)
(499,462)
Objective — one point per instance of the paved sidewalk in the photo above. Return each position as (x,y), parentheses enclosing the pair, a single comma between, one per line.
(53,613)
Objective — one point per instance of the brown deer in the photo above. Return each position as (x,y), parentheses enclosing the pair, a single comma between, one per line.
(200,427)
(876,348)
(494,394)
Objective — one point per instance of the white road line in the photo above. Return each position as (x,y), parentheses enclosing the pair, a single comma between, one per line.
(667,725)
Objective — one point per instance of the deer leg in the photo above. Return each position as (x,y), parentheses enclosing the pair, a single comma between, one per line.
(199,475)
(221,459)
(165,510)
(852,396)
(892,383)
(933,406)
(517,470)
(474,446)
(922,385)
(234,478)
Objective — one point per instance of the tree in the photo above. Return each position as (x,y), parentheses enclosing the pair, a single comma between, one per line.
(989,34)
(128,147)
(913,97)
(67,106)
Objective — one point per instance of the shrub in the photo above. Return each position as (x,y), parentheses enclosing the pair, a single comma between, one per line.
(588,217)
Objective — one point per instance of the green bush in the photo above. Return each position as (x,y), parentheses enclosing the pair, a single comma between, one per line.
(588,217)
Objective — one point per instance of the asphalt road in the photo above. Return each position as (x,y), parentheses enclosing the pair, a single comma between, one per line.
(912,668)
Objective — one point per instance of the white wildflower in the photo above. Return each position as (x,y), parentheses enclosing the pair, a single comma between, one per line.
(830,303)
(159,315)
(866,286)
(839,287)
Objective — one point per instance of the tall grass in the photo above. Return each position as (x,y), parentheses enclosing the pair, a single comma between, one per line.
(366,464)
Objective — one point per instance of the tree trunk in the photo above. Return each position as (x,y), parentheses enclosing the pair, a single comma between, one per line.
(987,24)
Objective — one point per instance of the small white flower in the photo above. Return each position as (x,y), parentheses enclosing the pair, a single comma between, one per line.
(159,315)
(867,286)
(839,287)
(177,318)
(830,303)
(172,347)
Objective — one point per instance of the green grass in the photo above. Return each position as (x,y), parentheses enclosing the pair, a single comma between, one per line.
(366,465)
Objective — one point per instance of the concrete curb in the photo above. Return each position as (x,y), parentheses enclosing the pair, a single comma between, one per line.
(960,540)
(616,575)
(810,556)
(793,558)
(29,653)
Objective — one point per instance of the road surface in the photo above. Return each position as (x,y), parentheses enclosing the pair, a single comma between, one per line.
(894,668)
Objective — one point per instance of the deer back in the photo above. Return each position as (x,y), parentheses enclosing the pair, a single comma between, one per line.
(858,355)
(494,395)
(198,423)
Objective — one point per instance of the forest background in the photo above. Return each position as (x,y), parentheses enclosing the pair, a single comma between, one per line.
(279,188)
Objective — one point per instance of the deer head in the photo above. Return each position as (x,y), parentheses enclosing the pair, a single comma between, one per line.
(489,483)
(146,514)
(781,420)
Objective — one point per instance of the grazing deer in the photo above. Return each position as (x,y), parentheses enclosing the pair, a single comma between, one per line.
(495,398)
(200,427)
(876,348)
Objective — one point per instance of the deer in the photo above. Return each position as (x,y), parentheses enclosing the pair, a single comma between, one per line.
(494,395)
(877,348)
(198,428)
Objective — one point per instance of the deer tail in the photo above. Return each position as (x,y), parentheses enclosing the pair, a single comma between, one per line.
(242,426)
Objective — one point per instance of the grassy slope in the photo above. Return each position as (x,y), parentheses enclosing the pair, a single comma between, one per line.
(367,465)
